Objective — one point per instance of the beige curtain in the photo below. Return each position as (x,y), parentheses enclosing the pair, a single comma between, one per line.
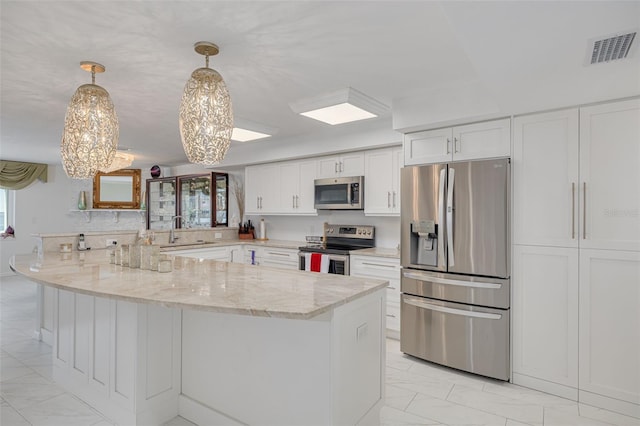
(17,175)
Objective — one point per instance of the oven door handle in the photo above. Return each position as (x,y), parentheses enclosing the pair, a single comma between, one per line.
(336,257)
(418,303)
(437,280)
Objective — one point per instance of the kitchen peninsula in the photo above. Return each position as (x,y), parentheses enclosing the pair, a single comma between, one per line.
(214,342)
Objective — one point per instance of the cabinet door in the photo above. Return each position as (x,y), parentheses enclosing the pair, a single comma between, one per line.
(610,324)
(545,315)
(545,179)
(378,182)
(610,176)
(253,187)
(195,194)
(396,166)
(482,140)
(305,198)
(289,183)
(161,202)
(328,167)
(430,146)
(352,164)
(262,193)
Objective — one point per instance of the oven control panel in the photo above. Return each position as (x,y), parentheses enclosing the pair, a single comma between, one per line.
(351,231)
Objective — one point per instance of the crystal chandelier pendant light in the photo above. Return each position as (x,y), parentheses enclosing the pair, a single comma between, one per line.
(206,115)
(90,136)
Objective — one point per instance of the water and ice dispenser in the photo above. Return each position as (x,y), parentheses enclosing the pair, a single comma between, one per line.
(424,243)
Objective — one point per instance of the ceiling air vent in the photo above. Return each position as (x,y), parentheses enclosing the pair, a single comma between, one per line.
(611,48)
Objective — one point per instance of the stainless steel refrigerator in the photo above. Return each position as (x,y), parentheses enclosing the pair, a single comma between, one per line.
(455,259)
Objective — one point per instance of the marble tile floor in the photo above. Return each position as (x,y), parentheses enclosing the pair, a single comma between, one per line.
(417,392)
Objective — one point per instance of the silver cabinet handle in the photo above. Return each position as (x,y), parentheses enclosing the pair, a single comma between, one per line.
(446,281)
(257,202)
(394,199)
(380,265)
(388,199)
(584,211)
(293,201)
(391,315)
(297,202)
(452,175)
(441,214)
(456,145)
(425,305)
(335,167)
(448,143)
(275,253)
(573,210)
(341,166)
(261,202)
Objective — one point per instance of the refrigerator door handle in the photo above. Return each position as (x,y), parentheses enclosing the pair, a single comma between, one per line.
(419,303)
(437,280)
(584,211)
(441,213)
(573,210)
(452,175)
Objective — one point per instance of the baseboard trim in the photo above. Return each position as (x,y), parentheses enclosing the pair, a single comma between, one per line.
(562,391)
(201,414)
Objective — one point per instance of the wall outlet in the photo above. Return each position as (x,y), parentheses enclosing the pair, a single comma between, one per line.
(111,242)
(217,235)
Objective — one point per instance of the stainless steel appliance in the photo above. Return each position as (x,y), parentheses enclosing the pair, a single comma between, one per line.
(455,265)
(338,242)
(340,193)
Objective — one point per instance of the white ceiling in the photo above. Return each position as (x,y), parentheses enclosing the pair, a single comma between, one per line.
(523,56)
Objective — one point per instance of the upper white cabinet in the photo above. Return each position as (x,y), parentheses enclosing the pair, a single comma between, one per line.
(610,176)
(281,188)
(545,179)
(468,142)
(261,191)
(350,164)
(297,188)
(382,182)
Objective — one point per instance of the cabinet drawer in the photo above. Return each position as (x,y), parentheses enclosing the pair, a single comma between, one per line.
(280,255)
(375,267)
(218,253)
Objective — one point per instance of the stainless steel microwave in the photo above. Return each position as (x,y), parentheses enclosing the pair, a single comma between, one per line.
(340,193)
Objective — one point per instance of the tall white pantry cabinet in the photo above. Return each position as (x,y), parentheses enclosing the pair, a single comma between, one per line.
(576,258)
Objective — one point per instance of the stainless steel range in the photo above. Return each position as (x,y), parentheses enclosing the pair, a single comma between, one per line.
(339,241)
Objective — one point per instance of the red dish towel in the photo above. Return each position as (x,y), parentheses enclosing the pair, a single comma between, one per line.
(316,262)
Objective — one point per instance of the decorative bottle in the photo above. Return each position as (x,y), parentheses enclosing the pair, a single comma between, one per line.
(82,200)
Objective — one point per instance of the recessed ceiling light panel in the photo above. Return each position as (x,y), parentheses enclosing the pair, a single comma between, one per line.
(244,135)
(342,106)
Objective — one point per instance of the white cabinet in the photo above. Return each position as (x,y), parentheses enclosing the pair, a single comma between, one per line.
(279,258)
(382,182)
(281,188)
(610,327)
(262,193)
(576,258)
(544,314)
(296,185)
(545,179)
(350,164)
(384,268)
(468,142)
(121,358)
(215,253)
(610,176)
(276,257)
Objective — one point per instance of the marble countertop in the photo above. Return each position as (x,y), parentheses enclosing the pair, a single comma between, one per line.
(378,252)
(199,284)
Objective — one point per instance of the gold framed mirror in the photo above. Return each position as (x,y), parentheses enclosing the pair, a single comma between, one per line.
(117,190)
